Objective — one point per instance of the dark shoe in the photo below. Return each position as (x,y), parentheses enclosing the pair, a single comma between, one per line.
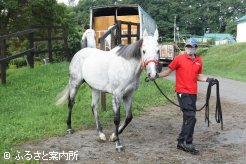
(188,148)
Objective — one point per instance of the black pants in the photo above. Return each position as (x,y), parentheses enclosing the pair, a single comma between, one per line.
(188,104)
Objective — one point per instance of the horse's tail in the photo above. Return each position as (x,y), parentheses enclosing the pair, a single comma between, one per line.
(63,96)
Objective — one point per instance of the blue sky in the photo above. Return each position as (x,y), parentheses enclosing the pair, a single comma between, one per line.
(66,1)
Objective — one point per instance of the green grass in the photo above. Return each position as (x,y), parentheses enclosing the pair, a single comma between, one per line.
(28,111)
(226,61)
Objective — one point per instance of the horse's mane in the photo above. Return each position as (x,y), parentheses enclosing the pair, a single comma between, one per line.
(130,51)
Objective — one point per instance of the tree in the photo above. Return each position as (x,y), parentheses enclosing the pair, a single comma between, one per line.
(18,15)
(193,16)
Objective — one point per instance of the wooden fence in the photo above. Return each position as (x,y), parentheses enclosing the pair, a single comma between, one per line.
(129,35)
(51,38)
(32,51)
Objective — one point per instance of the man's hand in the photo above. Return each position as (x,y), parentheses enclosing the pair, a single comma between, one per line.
(211,80)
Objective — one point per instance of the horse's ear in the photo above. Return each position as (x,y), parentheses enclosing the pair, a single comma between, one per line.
(156,34)
(145,33)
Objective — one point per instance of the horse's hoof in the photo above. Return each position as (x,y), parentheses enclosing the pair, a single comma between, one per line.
(102,137)
(119,148)
(70,131)
(112,138)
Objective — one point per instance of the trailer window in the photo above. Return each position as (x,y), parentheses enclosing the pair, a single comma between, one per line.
(111,11)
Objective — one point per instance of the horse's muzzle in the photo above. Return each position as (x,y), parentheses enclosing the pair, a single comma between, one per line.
(149,78)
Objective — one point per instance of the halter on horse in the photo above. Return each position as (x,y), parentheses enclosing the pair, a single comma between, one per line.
(116,72)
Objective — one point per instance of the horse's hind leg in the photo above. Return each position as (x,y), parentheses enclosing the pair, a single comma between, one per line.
(74,85)
(94,106)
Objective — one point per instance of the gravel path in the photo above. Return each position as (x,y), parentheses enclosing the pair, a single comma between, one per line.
(151,138)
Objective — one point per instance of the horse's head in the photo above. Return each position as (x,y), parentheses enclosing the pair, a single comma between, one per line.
(150,54)
(89,38)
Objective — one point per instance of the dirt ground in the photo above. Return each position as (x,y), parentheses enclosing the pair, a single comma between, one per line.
(151,138)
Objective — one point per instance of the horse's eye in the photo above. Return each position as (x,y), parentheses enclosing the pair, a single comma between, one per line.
(144,51)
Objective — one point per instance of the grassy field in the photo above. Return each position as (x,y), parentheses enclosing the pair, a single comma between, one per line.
(226,61)
(28,111)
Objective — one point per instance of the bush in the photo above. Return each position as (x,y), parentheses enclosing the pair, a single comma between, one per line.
(18,62)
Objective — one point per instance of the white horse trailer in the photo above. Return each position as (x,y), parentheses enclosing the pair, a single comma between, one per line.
(101,18)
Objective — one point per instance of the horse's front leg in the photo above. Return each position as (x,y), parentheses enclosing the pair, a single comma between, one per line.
(127,99)
(115,135)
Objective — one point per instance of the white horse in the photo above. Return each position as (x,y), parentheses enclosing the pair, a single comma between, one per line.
(88,39)
(116,72)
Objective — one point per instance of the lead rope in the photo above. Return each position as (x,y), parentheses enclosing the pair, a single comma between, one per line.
(218,110)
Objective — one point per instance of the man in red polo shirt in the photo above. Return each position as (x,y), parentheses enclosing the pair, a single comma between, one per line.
(188,67)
